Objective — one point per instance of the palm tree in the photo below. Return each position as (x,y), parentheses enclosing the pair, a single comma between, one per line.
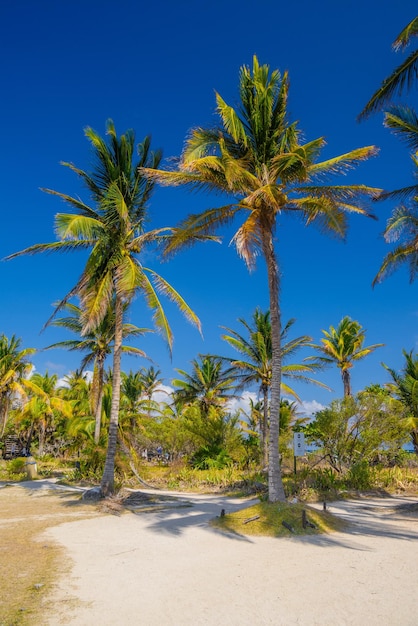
(14,366)
(132,390)
(151,381)
(97,343)
(403,76)
(344,346)
(208,386)
(405,388)
(44,406)
(114,232)
(256,364)
(257,157)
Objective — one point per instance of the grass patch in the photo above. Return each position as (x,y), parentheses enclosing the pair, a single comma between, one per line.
(29,564)
(270,519)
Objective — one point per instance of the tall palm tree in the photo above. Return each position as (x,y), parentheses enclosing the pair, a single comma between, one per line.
(256,156)
(256,364)
(97,343)
(405,388)
(403,76)
(344,346)
(114,232)
(14,366)
(209,385)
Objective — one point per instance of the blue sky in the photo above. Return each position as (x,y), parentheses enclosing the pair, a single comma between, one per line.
(154,68)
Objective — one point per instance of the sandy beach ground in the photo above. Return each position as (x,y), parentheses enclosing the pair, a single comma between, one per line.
(169,567)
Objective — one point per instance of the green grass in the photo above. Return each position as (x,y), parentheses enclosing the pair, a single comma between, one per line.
(271,517)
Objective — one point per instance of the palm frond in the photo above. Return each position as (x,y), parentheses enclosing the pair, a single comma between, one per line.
(69,226)
(403,76)
(166,289)
(344,162)
(403,122)
(404,37)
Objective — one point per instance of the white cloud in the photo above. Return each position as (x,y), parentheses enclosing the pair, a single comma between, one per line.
(62,382)
(243,402)
(162,394)
(309,407)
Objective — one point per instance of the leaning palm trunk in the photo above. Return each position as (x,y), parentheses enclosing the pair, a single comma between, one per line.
(98,398)
(108,479)
(276,490)
(4,411)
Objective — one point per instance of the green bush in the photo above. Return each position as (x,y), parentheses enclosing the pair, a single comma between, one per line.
(16,466)
(360,476)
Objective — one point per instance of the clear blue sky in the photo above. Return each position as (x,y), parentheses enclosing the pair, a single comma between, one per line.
(154,67)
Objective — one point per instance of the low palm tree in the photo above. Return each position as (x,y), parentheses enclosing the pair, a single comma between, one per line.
(405,388)
(209,385)
(403,76)
(256,364)
(43,407)
(257,157)
(343,346)
(114,233)
(14,366)
(151,380)
(97,343)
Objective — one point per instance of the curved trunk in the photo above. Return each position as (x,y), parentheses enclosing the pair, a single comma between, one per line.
(98,399)
(108,479)
(275,486)
(346,382)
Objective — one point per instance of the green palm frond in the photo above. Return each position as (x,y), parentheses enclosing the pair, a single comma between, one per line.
(57,246)
(344,162)
(95,302)
(396,258)
(77,227)
(231,121)
(169,292)
(199,225)
(404,37)
(403,224)
(403,122)
(402,77)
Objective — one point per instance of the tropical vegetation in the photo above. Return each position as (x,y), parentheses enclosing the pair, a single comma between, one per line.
(228,421)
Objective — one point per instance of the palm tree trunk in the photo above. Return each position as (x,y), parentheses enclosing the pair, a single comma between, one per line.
(275,483)
(346,382)
(264,434)
(108,479)
(98,400)
(4,410)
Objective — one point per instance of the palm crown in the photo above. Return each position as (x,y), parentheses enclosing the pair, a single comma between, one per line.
(343,346)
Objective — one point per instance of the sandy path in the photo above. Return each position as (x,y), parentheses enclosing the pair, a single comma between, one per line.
(170,568)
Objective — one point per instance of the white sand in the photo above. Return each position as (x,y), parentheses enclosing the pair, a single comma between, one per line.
(171,568)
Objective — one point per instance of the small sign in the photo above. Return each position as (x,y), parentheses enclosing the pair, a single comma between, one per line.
(299,444)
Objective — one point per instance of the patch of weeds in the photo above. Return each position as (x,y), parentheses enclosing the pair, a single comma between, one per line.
(275,519)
